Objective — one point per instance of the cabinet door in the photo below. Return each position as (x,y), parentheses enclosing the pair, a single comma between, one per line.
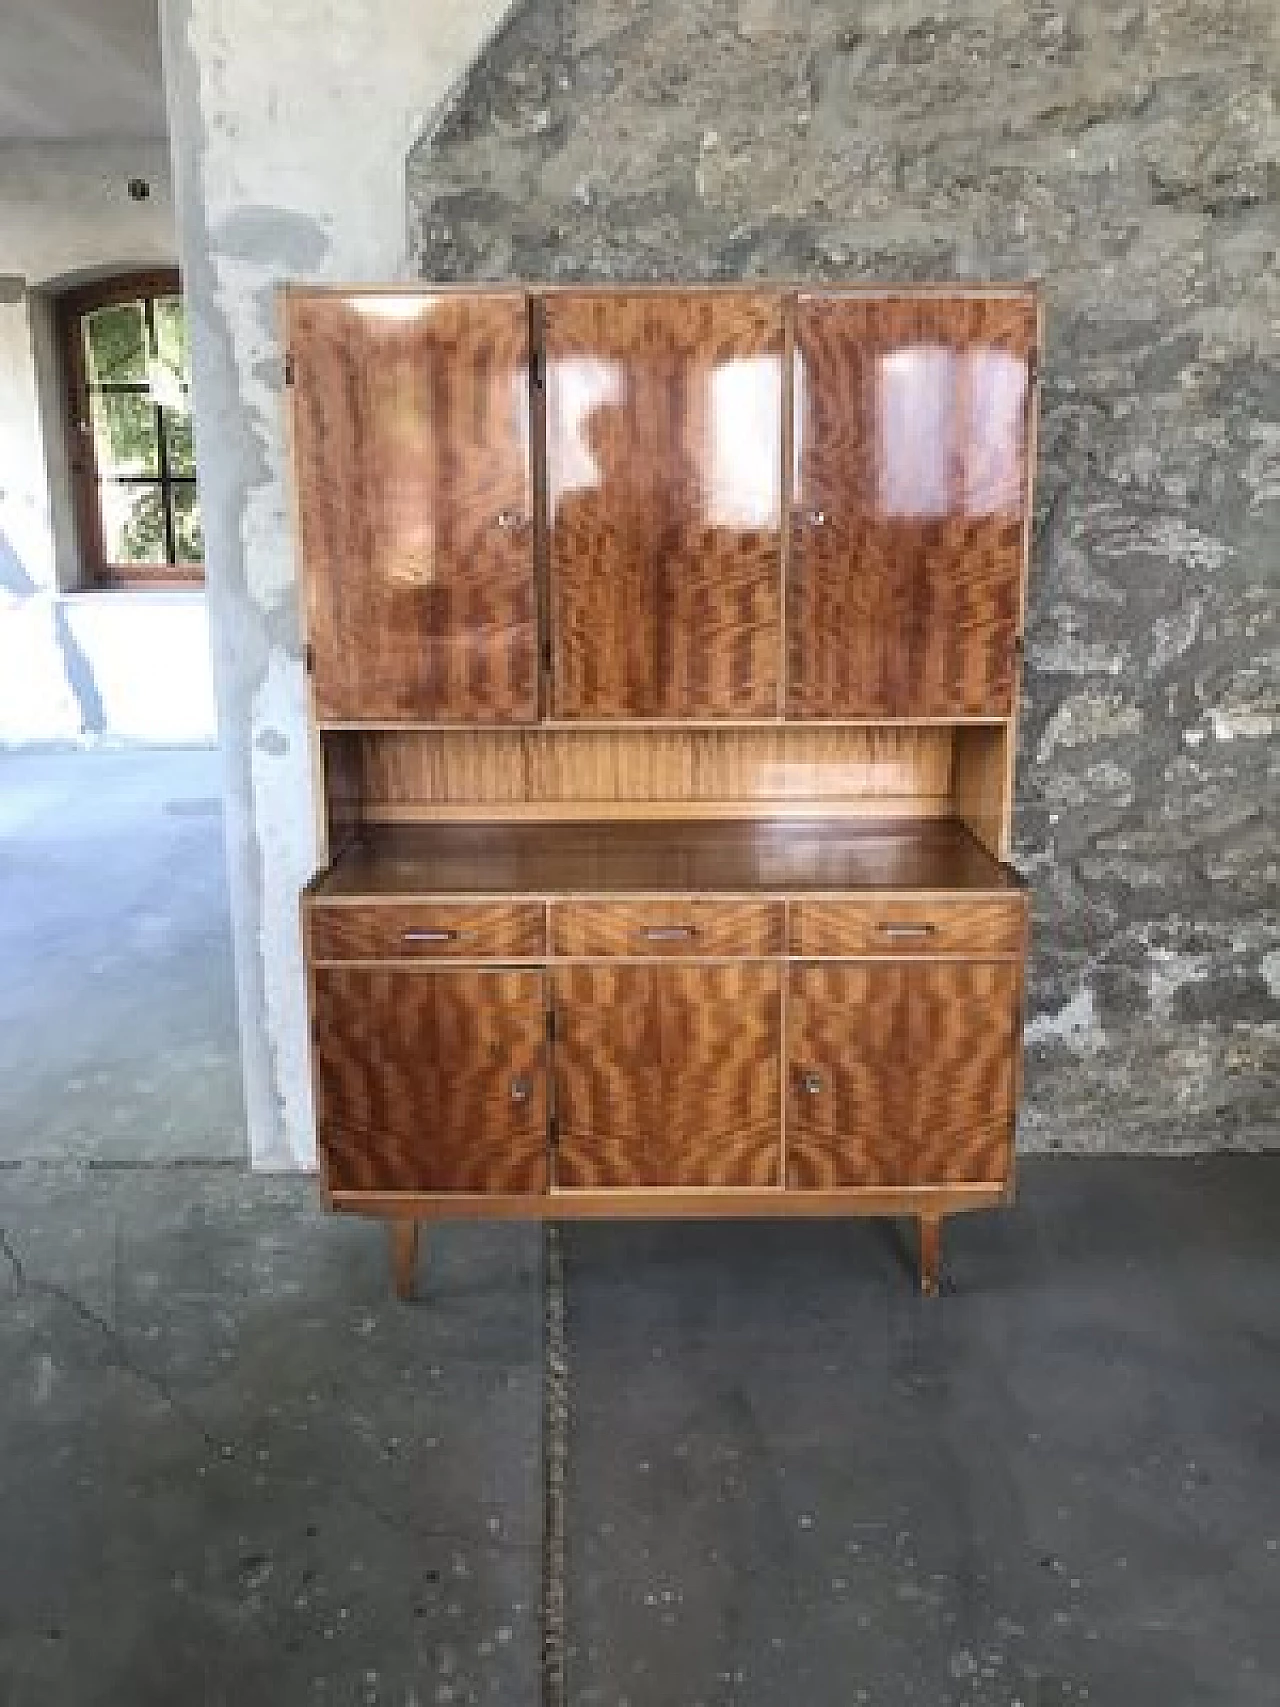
(907,545)
(430,1080)
(664,471)
(901,1073)
(414,504)
(667,1075)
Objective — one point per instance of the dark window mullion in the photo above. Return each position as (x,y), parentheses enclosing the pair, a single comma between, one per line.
(166,505)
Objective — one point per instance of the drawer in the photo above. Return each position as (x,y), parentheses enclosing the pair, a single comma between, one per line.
(909,925)
(425,930)
(691,928)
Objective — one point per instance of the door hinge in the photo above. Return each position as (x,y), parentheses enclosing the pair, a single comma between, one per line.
(553,1131)
(551,1025)
(309,659)
(288,367)
(537,369)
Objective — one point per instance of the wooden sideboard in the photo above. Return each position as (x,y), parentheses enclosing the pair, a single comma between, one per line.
(663,646)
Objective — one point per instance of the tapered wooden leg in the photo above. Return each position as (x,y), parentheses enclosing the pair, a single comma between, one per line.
(404,1257)
(930,1253)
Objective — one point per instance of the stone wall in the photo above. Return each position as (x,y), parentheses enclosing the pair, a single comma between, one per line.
(1129,157)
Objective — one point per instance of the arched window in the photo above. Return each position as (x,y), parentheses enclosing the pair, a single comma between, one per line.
(132,457)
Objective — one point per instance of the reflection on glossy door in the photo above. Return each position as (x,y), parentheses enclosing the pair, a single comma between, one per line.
(910,447)
(664,471)
(411,446)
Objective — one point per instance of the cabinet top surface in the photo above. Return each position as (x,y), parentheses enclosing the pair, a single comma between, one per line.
(751,857)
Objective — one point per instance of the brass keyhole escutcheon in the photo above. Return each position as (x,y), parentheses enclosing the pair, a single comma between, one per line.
(811,1083)
(521,1087)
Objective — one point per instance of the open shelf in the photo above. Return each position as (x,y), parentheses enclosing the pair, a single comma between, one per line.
(753,856)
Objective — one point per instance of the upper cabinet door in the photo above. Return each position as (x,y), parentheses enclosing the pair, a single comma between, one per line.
(664,476)
(910,434)
(415,504)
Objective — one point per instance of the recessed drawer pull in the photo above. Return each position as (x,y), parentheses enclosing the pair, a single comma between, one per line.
(907,930)
(432,935)
(668,933)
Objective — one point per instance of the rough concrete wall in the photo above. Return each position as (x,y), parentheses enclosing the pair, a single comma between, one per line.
(289,123)
(1129,156)
(38,697)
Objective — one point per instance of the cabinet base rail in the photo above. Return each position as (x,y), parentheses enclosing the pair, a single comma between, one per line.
(405,1212)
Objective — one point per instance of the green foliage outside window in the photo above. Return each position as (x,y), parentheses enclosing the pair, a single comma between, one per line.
(136,367)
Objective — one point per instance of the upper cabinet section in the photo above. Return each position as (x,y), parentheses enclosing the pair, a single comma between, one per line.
(664,502)
(910,441)
(415,504)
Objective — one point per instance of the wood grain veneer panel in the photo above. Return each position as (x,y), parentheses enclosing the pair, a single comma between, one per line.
(907,548)
(409,774)
(915,925)
(688,926)
(399,930)
(664,510)
(916,1069)
(410,433)
(430,1081)
(667,1075)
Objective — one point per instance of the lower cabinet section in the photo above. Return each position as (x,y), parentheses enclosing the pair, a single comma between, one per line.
(901,1073)
(430,1080)
(667,1075)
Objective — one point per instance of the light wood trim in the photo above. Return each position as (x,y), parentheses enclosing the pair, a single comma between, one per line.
(1003,847)
(674,1202)
(654,287)
(657,811)
(981,778)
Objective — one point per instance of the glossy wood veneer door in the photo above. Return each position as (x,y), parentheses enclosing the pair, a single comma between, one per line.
(901,1073)
(664,467)
(667,1075)
(415,504)
(430,1081)
(907,545)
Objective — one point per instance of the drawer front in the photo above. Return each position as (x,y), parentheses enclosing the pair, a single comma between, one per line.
(425,930)
(909,926)
(692,928)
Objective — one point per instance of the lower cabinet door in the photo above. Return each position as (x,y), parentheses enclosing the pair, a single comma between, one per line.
(901,1072)
(667,1075)
(430,1081)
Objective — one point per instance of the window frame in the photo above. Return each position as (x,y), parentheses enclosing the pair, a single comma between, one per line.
(72,309)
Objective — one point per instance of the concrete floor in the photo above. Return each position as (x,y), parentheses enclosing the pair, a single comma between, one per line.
(117,995)
(234,1470)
